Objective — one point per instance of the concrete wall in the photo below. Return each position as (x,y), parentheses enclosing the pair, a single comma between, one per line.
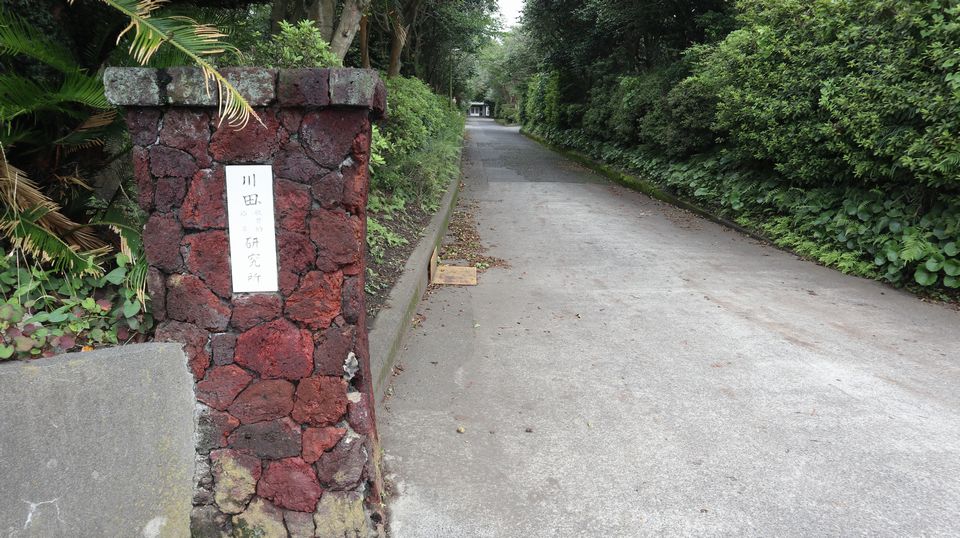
(97,444)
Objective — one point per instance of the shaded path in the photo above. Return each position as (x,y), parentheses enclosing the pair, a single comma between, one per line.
(677,378)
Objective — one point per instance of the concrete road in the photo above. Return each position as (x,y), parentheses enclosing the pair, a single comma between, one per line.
(639,371)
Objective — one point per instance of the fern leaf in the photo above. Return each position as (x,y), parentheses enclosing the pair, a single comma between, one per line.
(83,89)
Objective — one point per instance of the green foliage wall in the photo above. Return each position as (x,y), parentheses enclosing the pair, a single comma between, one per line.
(831,91)
(418,125)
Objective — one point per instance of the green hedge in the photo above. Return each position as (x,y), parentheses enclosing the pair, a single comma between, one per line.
(866,91)
(416,148)
(415,153)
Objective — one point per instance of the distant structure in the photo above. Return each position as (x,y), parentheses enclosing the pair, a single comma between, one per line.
(480,109)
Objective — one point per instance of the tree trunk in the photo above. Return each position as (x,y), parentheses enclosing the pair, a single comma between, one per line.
(398,38)
(298,13)
(348,26)
(402,21)
(278,12)
(364,43)
(323,12)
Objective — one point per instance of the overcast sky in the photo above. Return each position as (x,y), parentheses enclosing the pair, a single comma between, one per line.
(510,11)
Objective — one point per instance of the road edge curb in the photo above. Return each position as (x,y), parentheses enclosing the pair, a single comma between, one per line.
(390,326)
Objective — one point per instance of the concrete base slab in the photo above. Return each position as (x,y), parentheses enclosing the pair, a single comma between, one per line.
(97,444)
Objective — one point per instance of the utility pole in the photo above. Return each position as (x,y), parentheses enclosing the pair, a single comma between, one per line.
(450,83)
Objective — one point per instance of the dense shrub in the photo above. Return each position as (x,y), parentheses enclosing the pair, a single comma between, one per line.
(415,154)
(300,45)
(829,91)
(542,102)
(420,142)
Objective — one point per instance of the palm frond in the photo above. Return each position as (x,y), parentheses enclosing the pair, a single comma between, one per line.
(22,96)
(89,133)
(196,41)
(131,246)
(19,38)
(32,223)
(26,233)
(84,89)
(128,229)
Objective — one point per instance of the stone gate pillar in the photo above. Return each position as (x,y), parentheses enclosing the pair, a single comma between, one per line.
(286,441)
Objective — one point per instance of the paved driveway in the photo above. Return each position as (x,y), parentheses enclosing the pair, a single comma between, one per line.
(638,371)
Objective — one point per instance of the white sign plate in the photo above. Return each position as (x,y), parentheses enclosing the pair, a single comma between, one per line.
(253,237)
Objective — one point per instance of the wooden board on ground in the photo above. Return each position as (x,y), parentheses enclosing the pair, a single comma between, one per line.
(434,262)
(454,275)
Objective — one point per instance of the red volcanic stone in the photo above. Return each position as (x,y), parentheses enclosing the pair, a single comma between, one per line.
(142,125)
(273,439)
(253,309)
(327,189)
(361,144)
(157,289)
(213,429)
(254,143)
(338,236)
(172,162)
(327,135)
(290,483)
(187,130)
(292,203)
(194,340)
(141,173)
(208,257)
(222,346)
(276,350)
(355,180)
(317,301)
(353,297)
(169,192)
(263,400)
(222,385)
(332,351)
(205,203)
(291,163)
(342,468)
(362,350)
(316,441)
(189,300)
(161,242)
(288,281)
(297,253)
(290,119)
(330,354)
(360,415)
(321,401)
(304,87)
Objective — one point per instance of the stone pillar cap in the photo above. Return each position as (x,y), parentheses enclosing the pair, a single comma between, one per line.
(261,87)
